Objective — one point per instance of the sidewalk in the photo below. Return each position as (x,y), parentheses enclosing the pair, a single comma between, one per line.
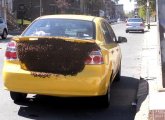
(151,102)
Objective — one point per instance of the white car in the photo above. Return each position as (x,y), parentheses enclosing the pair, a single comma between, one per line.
(3,29)
(119,20)
(135,24)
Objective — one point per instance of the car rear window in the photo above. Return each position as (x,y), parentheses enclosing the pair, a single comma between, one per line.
(135,20)
(80,29)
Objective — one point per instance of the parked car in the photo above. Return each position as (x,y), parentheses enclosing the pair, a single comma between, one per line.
(135,24)
(112,20)
(119,20)
(3,29)
(65,56)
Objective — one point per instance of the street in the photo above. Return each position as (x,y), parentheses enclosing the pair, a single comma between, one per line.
(123,93)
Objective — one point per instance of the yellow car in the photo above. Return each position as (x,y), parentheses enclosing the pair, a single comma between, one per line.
(64,56)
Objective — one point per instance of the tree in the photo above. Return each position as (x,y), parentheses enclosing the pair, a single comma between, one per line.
(153,6)
(130,14)
(142,4)
(62,5)
(94,6)
(142,12)
(116,1)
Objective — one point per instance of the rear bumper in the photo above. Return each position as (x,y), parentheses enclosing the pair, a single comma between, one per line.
(131,28)
(92,81)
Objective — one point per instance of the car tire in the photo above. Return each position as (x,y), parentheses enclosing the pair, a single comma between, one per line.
(18,97)
(104,100)
(142,31)
(126,31)
(118,75)
(4,35)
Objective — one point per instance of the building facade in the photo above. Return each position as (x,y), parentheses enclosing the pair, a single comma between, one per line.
(110,9)
(119,11)
(31,9)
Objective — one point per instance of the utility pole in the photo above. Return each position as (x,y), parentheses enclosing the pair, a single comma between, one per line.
(105,9)
(5,10)
(148,14)
(41,9)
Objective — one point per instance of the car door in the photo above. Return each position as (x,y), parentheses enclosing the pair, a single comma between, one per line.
(110,45)
(117,48)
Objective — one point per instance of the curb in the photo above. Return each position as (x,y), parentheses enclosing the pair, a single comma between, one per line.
(142,109)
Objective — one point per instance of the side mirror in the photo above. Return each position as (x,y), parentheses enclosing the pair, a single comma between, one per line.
(121,39)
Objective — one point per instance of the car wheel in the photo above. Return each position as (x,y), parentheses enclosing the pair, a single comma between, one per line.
(4,35)
(142,31)
(18,97)
(118,75)
(126,31)
(105,99)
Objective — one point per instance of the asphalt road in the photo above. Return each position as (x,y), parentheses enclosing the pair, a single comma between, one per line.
(123,93)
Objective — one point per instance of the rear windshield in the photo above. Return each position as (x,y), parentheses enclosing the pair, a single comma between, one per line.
(61,27)
(135,20)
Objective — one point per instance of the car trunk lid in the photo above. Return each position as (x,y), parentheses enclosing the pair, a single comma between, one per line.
(58,55)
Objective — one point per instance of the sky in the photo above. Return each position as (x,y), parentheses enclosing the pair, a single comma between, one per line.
(128,6)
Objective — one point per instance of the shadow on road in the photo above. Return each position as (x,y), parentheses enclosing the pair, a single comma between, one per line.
(143,91)
(138,32)
(123,93)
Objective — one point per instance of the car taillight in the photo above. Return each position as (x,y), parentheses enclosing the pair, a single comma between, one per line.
(95,57)
(142,24)
(11,53)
